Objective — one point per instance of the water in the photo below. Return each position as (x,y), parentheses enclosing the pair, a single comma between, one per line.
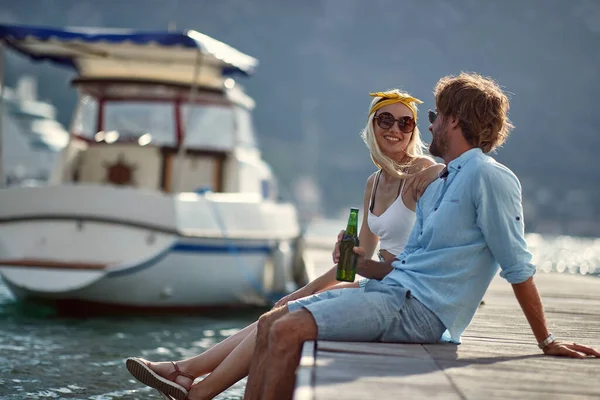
(43,356)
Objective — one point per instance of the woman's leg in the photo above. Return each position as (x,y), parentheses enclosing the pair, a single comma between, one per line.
(205,362)
(231,370)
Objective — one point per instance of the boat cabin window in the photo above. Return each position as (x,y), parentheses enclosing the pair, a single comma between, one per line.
(208,126)
(244,127)
(127,121)
(86,117)
(134,119)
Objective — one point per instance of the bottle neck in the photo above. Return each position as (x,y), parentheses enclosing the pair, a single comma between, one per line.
(352,227)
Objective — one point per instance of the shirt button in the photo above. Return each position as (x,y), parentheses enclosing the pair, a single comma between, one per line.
(435,209)
(403,262)
(421,233)
(458,167)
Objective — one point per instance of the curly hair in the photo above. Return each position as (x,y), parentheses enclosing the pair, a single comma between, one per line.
(480,106)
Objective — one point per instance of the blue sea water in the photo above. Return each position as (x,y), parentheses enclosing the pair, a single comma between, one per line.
(44,356)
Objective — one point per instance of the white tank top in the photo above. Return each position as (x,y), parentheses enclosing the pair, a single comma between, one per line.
(394,225)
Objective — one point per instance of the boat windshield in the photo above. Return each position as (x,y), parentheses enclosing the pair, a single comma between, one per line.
(211,126)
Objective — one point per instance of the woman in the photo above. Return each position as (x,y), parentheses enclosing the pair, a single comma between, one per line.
(395,146)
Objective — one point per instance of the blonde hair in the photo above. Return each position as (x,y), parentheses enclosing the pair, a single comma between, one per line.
(414,150)
(480,106)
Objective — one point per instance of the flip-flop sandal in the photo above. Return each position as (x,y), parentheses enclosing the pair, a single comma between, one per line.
(165,396)
(167,386)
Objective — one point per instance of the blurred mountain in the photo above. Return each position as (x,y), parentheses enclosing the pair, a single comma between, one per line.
(320,58)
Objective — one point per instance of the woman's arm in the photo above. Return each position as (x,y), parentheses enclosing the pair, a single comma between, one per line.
(368,242)
(424,172)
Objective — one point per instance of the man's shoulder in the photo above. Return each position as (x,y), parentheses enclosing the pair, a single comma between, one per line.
(487,165)
(487,169)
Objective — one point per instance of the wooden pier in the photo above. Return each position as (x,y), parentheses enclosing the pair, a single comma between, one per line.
(498,357)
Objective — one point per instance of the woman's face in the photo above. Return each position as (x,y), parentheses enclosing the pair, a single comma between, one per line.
(392,141)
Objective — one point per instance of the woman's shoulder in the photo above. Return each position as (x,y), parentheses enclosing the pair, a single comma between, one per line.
(371,181)
(371,178)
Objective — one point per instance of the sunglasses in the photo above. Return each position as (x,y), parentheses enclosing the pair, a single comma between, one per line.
(386,120)
(432,115)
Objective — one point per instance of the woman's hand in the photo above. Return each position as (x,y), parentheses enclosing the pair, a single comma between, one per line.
(336,250)
(418,182)
(298,294)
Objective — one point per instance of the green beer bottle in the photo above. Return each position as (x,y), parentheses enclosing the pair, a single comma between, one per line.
(346,268)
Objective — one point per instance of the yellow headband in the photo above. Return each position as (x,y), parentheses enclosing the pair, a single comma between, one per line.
(394,97)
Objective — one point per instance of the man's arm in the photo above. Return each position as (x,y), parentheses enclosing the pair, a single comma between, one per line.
(531,304)
(497,198)
(371,269)
(500,218)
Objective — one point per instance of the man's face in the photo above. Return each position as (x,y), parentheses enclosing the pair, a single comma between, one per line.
(439,132)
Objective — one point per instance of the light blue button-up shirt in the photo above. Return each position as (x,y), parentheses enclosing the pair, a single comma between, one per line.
(468,224)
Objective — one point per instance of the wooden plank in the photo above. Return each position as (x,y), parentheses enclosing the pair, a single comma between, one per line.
(389,349)
(499,358)
(305,374)
(381,377)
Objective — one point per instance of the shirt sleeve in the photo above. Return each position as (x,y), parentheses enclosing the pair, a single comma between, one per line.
(499,209)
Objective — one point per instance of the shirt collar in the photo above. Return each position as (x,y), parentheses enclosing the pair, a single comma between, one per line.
(459,162)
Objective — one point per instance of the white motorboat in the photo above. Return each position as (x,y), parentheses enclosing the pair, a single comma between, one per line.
(161,199)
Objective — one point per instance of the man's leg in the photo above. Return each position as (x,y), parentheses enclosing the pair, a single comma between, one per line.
(256,376)
(285,347)
(357,316)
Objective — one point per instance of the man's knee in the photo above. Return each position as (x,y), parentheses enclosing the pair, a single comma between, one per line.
(292,330)
(282,336)
(266,320)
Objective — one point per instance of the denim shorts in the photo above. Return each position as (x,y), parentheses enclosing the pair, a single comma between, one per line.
(376,312)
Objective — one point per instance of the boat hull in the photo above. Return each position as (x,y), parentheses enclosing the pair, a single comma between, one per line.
(167,252)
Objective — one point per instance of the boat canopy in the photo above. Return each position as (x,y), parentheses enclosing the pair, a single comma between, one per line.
(100,53)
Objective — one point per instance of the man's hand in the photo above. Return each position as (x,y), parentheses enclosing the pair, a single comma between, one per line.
(369,268)
(336,249)
(360,260)
(298,294)
(572,350)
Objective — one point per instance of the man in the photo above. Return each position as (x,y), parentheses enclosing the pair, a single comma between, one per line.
(469,223)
